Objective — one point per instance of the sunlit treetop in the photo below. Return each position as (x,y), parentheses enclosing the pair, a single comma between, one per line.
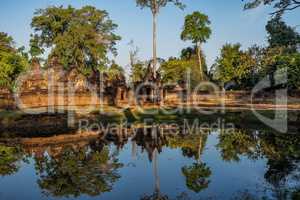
(155,5)
(79,38)
(196,28)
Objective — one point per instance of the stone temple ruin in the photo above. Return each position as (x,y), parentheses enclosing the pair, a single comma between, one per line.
(57,87)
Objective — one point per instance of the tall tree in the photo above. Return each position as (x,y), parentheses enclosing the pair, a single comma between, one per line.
(78,38)
(196,28)
(280,6)
(155,6)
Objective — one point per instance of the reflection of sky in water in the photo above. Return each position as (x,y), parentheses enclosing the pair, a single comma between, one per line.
(227,179)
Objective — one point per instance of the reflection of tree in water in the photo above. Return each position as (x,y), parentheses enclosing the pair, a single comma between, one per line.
(151,140)
(282,152)
(283,165)
(192,146)
(233,145)
(10,158)
(197,176)
(198,173)
(78,171)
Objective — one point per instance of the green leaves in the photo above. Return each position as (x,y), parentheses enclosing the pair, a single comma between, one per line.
(280,6)
(75,172)
(35,49)
(197,176)
(233,64)
(155,5)
(10,157)
(291,65)
(196,28)
(282,35)
(138,72)
(79,38)
(12,62)
(176,71)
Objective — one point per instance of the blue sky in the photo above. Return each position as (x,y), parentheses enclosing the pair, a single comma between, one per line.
(229,24)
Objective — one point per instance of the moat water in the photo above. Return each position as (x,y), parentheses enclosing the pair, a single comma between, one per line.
(247,163)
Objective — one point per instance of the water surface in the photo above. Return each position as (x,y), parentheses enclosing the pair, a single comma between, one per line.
(248,163)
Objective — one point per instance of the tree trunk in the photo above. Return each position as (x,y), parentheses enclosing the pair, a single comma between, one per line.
(199,60)
(155,168)
(13,105)
(199,148)
(154,42)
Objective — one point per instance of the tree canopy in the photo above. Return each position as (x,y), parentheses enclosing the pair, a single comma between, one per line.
(12,62)
(156,5)
(175,71)
(282,35)
(79,38)
(196,28)
(280,6)
(233,65)
(197,176)
(78,172)
(10,158)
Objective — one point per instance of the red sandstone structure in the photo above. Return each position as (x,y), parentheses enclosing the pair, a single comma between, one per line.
(55,87)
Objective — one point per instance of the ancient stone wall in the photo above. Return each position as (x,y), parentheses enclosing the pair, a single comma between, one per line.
(56,87)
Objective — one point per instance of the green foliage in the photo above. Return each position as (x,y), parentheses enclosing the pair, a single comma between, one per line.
(78,172)
(190,53)
(12,62)
(155,5)
(233,65)
(234,145)
(280,6)
(197,176)
(245,69)
(138,72)
(282,35)
(6,42)
(275,63)
(176,71)
(196,28)
(79,38)
(192,145)
(291,65)
(9,160)
(35,47)
(115,72)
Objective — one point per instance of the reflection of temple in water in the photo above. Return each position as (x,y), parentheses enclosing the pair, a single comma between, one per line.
(57,149)
(97,160)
